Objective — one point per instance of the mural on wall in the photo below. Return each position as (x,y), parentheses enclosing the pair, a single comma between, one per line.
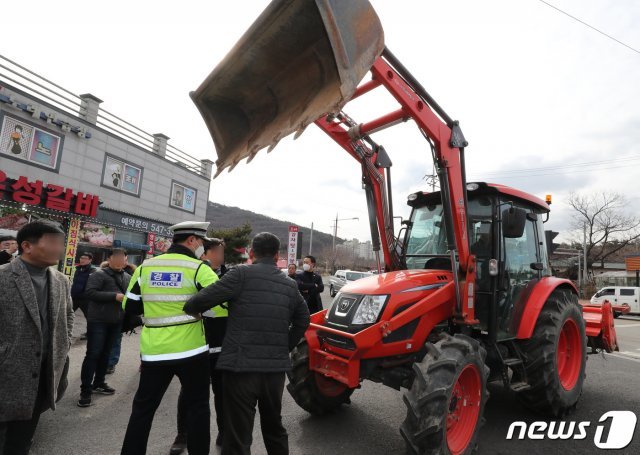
(183,197)
(122,176)
(44,148)
(29,143)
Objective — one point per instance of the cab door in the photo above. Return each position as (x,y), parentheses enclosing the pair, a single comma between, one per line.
(523,263)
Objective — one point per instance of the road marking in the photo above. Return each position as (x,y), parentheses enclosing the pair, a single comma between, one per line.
(624,326)
(631,357)
(633,354)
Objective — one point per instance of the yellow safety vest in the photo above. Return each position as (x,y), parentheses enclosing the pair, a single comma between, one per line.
(164,284)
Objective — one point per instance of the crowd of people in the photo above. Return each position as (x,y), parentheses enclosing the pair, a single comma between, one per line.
(228,330)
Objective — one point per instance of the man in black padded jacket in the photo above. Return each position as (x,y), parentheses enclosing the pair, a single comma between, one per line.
(267,318)
(310,284)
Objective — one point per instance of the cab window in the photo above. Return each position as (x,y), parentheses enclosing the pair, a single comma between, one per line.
(627,291)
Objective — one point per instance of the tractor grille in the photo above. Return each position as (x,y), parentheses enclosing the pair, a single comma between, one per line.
(337,340)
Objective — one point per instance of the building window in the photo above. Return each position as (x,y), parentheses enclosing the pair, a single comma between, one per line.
(183,197)
(120,175)
(24,141)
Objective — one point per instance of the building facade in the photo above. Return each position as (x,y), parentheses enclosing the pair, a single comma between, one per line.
(357,249)
(107,182)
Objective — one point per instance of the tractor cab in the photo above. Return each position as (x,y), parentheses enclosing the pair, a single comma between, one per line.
(506,234)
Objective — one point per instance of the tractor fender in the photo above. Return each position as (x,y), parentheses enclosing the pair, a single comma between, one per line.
(537,298)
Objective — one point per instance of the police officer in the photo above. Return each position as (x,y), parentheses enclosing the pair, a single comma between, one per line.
(171,342)
(215,325)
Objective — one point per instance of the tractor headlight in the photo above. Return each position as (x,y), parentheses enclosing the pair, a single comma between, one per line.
(369,309)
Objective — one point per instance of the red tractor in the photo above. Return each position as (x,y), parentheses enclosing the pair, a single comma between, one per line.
(465,295)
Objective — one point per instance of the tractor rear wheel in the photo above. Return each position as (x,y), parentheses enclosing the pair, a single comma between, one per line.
(556,356)
(314,392)
(446,402)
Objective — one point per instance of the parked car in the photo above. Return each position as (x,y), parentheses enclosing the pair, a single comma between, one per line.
(623,299)
(342,278)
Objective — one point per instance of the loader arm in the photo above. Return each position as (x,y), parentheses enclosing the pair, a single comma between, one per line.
(448,144)
(300,63)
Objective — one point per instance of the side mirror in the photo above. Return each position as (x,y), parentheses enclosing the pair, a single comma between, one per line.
(513,222)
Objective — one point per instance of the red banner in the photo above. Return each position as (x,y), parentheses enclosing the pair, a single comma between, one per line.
(151,241)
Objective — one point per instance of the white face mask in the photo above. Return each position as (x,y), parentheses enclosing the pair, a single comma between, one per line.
(306,267)
(199,251)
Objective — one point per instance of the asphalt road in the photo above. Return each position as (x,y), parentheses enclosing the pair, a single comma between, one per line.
(369,425)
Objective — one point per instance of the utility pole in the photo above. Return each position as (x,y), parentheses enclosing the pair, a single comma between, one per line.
(584,252)
(335,235)
(311,239)
(579,277)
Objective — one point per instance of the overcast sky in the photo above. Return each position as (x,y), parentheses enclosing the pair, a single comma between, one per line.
(533,90)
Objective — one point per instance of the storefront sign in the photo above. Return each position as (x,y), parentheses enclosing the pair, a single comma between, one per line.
(632,263)
(72,245)
(292,247)
(132,222)
(130,246)
(50,196)
(96,234)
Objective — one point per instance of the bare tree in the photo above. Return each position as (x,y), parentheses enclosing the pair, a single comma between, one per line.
(609,225)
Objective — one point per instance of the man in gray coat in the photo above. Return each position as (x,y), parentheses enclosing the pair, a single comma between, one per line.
(36,317)
(267,318)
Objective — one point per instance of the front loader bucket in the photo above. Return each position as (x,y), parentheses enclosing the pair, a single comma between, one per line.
(601,331)
(299,60)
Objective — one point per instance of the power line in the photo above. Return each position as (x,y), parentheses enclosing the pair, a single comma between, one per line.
(564,166)
(590,26)
(542,174)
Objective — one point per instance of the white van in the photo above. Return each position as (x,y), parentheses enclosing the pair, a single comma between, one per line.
(624,299)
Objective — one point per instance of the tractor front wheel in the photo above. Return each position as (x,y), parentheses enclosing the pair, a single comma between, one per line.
(446,401)
(314,392)
(556,356)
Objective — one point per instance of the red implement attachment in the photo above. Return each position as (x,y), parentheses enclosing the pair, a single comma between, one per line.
(600,328)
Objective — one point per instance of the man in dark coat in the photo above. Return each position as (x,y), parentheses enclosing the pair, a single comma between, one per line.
(105,290)
(292,272)
(267,318)
(8,248)
(80,278)
(310,284)
(36,322)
